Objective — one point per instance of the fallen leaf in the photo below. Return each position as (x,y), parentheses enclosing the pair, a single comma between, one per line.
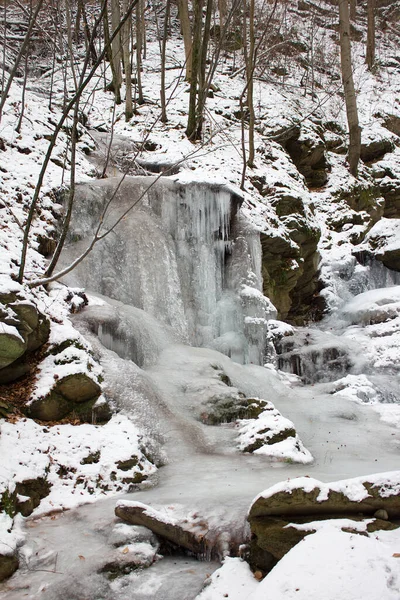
(82,557)
(125,550)
(396,555)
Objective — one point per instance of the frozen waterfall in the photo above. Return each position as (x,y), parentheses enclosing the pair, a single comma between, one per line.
(182,254)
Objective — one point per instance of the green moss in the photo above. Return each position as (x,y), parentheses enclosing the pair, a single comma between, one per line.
(8,503)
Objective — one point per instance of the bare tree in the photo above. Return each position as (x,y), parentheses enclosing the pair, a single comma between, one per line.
(187,35)
(164,117)
(85,79)
(348,87)
(126,37)
(21,53)
(370,54)
(353,10)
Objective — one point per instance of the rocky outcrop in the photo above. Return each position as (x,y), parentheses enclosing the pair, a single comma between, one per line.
(382,243)
(387,176)
(23,329)
(375,149)
(290,268)
(313,356)
(306,147)
(274,514)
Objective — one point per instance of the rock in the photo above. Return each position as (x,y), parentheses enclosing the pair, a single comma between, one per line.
(382,243)
(25,497)
(40,335)
(228,408)
(375,149)
(306,496)
(381,514)
(274,514)
(34,490)
(8,565)
(91,411)
(175,532)
(19,368)
(290,269)
(78,387)
(52,407)
(306,148)
(392,123)
(12,345)
(313,356)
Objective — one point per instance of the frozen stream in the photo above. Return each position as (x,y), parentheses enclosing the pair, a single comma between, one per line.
(166,392)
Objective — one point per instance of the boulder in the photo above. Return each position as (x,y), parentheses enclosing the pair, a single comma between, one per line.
(227,408)
(374,149)
(178,533)
(78,387)
(52,407)
(305,496)
(12,345)
(19,368)
(275,513)
(8,565)
(382,242)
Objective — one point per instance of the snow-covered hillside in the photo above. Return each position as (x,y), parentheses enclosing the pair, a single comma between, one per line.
(78,422)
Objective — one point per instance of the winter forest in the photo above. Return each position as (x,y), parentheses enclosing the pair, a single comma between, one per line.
(199,299)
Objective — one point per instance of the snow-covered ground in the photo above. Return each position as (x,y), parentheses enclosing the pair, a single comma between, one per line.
(329,563)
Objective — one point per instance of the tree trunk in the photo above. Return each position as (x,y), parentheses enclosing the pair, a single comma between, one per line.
(196,59)
(370,54)
(20,54)
(348,86)
(203,88)
(250,85)
(140,99)
(164,117)
(187,35)
(222,13)
(126,57)
(353,10)
(116,53)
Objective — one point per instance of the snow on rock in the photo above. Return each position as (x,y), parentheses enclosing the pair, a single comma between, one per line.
(305,495)
(333,564)
(329,564)
(233,580)
(373,306)
(272,435)
(79,463)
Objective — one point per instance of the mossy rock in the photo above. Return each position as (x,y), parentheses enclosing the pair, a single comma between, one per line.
(8,565)
(40,335)
(78,387)
(91,411)
(27,314)
(52,407)
(91,459)
(18,369)
(275,537)
(11,347)
(33,490)
(299,502)
(226,409)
